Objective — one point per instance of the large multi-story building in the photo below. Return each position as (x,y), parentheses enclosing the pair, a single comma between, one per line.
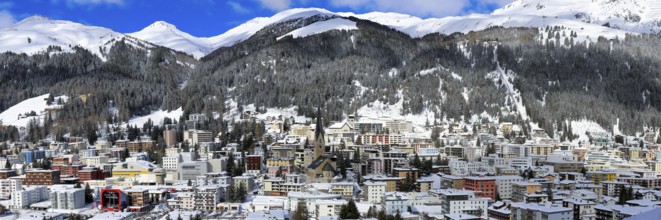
(394,202)
(254,164)
(452,182)
(482,185)
(461,202)
(504,185)
(39,177)
(565,166)
(194,137)
(7,186)
(6,173)
(140,171)
(96,160)
(68,170)
(24,198)
(581,209)
(523,188)
(67,199)
(247,181)
(170,137)
(524,211)
(92,173)
(375,192)
(191,170)
(281,187)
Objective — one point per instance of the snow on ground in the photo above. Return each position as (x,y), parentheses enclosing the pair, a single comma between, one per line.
(36,104)
(36,33)
(156,117)
(167,35)
(428,71)
(234,113)
(379,111)
(322,26)
(580,127)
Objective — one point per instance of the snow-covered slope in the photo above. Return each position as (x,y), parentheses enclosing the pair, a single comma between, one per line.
(630,15)
(156,117)
(15,115)
(586,17)
(167,35)
(36,33)
(323,26)
(246,30)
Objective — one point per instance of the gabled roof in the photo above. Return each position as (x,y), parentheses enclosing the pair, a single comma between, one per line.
(328,167)
(316,163)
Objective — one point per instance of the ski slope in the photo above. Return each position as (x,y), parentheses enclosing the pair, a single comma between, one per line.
(156,117)
(322,26)
(34,34)
(15,115)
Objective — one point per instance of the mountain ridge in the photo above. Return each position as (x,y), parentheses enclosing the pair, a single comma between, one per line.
(522,13)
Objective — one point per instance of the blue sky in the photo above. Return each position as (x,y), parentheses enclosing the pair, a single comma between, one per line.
(204,18)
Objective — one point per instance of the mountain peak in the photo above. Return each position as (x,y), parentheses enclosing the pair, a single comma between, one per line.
(35,18)
(162,25)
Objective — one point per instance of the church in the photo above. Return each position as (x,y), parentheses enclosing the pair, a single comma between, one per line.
(320,168)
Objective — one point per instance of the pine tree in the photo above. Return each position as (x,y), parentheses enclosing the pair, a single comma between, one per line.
(349,211)
(89,194)
(622,198)
(301,212)
(241,193)
(7,164)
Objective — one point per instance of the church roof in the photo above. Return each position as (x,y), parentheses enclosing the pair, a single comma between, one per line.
(318,162)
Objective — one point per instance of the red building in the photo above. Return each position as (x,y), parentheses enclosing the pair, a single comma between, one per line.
(483,186)
(92,173)
(39,177)
(113,200)
(254,163)
(69,170)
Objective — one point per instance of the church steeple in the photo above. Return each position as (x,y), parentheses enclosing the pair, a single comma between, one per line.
(319,141)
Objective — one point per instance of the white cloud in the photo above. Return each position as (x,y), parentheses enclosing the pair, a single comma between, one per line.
(238,8)
(424,8)
(276,5)
(6,19)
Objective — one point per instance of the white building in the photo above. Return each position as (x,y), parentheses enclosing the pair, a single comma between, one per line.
(329,207)
(461,202)
(67,199)
(247,181)
(519,151)
(504,185)
(194,137)
(7,186)
(24,198)
(395,201)
(309,200)
(521,211)
(95,161)
(375,192)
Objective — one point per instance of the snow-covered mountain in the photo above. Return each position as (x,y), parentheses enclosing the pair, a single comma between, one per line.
(35,34)
(167,35)
(631,15)
(589,18)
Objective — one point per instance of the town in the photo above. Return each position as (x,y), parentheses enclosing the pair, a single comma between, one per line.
(359,168)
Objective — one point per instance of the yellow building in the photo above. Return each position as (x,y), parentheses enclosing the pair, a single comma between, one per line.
(391,182)
(278,162)
(403,172)
(599,176)
(133,169)
(520,189)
